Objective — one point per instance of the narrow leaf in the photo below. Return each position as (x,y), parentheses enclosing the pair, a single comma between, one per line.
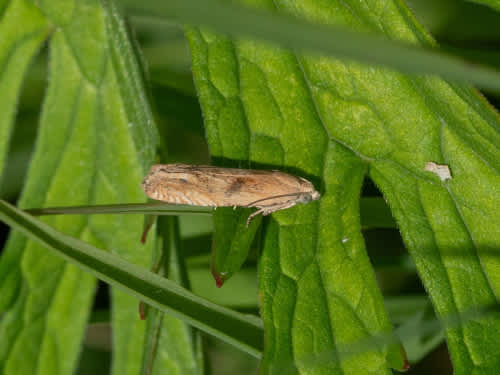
(374,211)
(130,208)
(176,347)
(333,40)
(495,4)
(231,241)
(243,331)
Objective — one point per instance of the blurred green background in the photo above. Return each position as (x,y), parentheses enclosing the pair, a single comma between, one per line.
(459,26)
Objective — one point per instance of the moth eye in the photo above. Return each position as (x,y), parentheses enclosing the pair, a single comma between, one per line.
(305,198)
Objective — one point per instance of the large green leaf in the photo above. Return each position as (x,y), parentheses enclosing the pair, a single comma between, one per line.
(95,143)
(17,47)
(314,276)
(331,120)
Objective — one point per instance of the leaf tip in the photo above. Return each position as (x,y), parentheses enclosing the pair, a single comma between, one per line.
(219,277)
(142,310)
(406,366)
(149,223)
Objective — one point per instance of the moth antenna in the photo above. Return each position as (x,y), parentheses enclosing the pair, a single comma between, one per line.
(273,197)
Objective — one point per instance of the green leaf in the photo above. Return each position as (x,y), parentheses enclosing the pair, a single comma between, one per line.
(168,58)
(332,40)
(317,288)
(374,211)
(329,119)
(495,4)
(17,48)
(242,331)
(231,241)
(157,208)
(320,274)
(94,146)
(240,292)
(170,343)
(416,320)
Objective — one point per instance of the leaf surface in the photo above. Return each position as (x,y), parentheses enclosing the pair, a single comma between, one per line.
(95,142)
(17,48)
(231,241)
(332,120)
(314,273)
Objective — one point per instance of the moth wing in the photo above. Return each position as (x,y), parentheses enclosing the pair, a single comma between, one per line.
(213,186)
(269,188)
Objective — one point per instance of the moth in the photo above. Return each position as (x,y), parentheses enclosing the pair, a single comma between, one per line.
(204,185)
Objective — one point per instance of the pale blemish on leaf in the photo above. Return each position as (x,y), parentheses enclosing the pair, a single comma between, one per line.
(441,170)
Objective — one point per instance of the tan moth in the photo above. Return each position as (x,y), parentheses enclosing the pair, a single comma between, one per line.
(204,185)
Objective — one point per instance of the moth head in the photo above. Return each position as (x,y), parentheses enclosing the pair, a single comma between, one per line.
(315,195)
(308,192)
(307,197)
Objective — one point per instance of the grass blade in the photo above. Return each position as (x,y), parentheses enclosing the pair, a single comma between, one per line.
(334,41)
(244,332)
(129,208)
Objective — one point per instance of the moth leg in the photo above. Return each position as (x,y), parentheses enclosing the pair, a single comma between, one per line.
(270,209)
(259,211)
